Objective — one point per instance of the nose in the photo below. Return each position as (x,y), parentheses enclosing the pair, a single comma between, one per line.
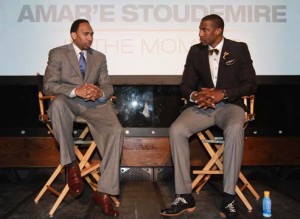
(200,33)
(90,37)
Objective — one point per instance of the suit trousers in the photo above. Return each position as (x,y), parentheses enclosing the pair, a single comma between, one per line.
(228,117)
(105,128)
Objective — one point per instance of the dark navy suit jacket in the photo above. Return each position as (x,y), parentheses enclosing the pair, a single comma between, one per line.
(236,73)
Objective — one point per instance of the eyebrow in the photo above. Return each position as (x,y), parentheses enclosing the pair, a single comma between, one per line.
(88,32)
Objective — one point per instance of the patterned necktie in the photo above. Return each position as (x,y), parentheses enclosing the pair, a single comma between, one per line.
(211,51)
(82,64)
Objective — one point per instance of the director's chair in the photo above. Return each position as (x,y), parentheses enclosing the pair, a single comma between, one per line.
(215,147)
(89,169)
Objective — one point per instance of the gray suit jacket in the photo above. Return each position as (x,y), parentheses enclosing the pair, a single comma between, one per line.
(62,74)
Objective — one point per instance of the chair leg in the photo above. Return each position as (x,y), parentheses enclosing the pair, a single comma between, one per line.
(248,185)
(84,158)
(243,198)
(59,200)
(202,183)
(208,166)
(47,185)
(88,170)
(84,162)
(215,166)
(61,195)
(115,200)
(215,169)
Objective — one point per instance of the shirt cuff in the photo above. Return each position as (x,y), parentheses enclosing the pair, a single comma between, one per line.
(103,98)
(72,94)
(191,97)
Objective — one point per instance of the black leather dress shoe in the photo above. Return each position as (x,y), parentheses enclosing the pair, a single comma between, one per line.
(228,210)
(182,203)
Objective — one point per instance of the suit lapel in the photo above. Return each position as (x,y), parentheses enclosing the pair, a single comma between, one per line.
(74,60)
(206,68)
(222,66)
(89,63)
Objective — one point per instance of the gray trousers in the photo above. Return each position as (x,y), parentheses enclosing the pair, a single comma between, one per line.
(228,117)
(105,128)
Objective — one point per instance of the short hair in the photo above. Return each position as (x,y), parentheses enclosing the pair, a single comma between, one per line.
(76,23)
(216,19)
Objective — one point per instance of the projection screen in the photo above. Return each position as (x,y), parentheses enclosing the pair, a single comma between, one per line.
(142,37)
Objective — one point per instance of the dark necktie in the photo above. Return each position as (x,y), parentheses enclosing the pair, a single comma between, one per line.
(82,64)
(211,51)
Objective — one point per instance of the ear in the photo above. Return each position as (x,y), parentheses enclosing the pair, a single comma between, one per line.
(218,31)
(73,35)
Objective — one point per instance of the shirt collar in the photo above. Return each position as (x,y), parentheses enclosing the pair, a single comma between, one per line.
(77,50)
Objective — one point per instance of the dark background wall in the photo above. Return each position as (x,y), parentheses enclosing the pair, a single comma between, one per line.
(277,104)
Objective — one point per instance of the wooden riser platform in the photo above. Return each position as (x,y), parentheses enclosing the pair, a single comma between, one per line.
(148,151)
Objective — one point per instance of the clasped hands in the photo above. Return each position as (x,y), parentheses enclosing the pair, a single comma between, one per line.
(89,92)
(207,97)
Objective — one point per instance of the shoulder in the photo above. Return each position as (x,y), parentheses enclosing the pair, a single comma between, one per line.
(239,50)
(60,48)
(197,48)
(96,53)
(235,44)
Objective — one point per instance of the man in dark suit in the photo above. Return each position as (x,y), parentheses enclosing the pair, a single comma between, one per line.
(77,75)
(217,73)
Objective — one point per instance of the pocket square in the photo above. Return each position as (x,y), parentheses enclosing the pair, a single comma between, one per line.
(230,62)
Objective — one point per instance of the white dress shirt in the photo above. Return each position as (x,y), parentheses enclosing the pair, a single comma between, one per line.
(214,60)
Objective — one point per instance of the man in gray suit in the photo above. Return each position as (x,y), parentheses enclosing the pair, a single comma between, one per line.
(217,73)
(77,75)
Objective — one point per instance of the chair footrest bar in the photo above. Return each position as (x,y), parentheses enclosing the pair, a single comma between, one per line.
(208,172)
(82,142)
(213,141)
(90,169)
(54,191)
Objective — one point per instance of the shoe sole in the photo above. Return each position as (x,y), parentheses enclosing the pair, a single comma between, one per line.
(74,193)
(96,203)
(222,215)
(189,210)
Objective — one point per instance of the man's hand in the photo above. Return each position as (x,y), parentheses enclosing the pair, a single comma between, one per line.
(89,92)
(207,97)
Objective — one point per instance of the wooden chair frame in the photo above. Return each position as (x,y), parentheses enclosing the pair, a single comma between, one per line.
(215,147)
(89,169)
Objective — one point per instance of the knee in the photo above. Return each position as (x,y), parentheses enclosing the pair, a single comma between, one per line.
(57,105)
(119,129)
(116,127)
(58,102)
(176,129)
(234,129)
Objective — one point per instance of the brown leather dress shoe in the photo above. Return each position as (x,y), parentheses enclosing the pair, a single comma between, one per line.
(74,179)
(104,201)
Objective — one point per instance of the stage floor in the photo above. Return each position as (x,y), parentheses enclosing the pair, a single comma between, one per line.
(143,200)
